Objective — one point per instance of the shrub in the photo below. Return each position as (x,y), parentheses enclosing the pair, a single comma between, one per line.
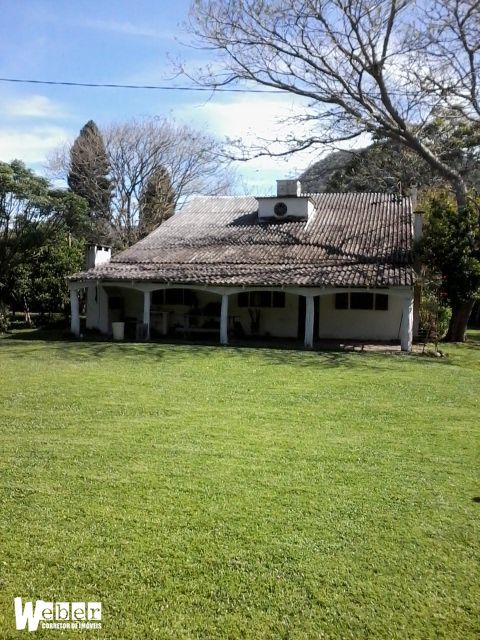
(5,317)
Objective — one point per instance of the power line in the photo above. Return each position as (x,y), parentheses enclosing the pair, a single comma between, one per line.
(156,87)
(137,86)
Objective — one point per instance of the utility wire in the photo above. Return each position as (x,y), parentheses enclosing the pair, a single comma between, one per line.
(138,86)
(157,87)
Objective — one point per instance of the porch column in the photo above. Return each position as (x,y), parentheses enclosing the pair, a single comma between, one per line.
(146,312)
(74,313)
(406,327)
(309,321)
(224,320)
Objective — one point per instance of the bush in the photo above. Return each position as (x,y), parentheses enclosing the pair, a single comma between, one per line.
(5,317)
(435,315)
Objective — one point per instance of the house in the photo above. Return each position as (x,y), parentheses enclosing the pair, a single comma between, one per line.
(292,266)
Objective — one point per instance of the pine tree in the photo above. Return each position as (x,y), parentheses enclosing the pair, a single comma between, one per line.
(89,178)
(157,202)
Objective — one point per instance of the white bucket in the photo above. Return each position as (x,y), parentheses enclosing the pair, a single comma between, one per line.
(118,330)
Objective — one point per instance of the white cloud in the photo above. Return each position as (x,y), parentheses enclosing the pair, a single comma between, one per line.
(253,119)
(34,106)
(31,146)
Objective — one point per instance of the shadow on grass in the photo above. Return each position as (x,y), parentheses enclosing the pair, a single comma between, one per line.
(272,353)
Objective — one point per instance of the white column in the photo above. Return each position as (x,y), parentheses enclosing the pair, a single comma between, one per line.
(74,313)
(309,321)
(406,328)
(146,312)
(224,320)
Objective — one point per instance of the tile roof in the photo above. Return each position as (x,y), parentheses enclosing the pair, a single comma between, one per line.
(352,239)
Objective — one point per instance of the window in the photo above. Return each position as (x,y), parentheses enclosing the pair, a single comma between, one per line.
(341,301)
(381,302)
(362,301)
(185,297)
(263,299)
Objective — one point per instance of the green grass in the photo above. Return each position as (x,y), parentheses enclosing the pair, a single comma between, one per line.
(201,492)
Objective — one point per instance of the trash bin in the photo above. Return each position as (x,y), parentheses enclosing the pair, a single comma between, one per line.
(118,330)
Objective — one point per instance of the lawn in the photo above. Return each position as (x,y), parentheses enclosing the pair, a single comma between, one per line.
(203,492)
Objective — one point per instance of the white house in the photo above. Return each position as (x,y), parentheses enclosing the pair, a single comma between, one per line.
(305,266)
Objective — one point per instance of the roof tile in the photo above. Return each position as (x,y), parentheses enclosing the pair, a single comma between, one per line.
(361,239)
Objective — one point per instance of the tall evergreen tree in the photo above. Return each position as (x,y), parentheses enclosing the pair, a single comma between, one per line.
(89,177)
(157,202)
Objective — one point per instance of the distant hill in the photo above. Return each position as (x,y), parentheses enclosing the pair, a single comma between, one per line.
(384,167)
(316,178)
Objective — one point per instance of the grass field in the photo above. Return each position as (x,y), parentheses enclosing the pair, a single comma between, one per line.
(201,492)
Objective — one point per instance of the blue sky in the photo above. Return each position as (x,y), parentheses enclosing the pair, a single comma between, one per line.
(125,42)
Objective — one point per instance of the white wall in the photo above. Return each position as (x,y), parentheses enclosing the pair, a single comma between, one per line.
(359,323)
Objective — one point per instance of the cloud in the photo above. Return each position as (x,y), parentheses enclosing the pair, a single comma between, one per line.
(31,146)
(254,119)
(123,28)
(34,106)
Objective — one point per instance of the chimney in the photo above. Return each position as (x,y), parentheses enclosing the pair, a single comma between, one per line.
(97,254)
(289,188)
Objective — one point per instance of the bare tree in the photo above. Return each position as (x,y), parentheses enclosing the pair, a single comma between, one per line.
(384,67)
(138,152)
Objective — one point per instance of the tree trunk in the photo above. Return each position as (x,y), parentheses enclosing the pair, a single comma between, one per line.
(458,322)
(26,310)
(460,194)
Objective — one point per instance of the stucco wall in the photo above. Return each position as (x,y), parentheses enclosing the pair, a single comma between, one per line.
(359,323)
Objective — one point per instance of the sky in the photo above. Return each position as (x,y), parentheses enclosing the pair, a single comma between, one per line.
(121,42)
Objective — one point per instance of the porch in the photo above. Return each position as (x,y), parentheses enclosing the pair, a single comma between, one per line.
(153,311)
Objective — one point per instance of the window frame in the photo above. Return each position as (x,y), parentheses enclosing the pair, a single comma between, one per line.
(380,301)
(262,299)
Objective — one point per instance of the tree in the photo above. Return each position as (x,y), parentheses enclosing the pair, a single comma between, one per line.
(41,278)
(383,68)
(32,214)
(450,251)
(145,156)
(157,202)
(386,165)
(140,150)
(88,177)
(363,67)
(380,167)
